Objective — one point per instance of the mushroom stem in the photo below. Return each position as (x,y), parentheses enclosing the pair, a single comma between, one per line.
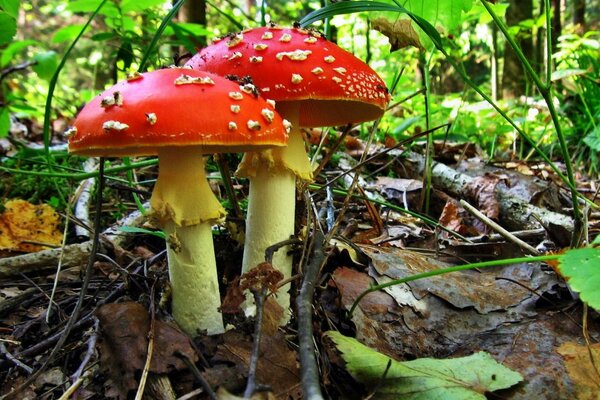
(272,203)
(185,207)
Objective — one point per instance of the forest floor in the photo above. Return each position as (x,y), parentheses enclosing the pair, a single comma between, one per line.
(522,314)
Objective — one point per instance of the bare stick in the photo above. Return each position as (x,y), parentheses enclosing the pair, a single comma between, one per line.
(506,234)
(198,375)
(259,300)
(89,353)
(304,302)
(14,359)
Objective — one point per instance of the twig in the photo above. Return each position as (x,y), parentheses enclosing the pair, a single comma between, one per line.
(198,375)
(259,299)
(272,249)
(14,359)
(86,280)
(146,370)
(19,67)
(308,362)
(89,353)
(10,303)
(71,390)
(506,234)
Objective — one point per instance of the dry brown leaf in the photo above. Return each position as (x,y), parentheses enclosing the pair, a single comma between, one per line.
(277,365)
(124,345)
(583,372)
(456,219)
(25,227)
(483,190)
(400,33)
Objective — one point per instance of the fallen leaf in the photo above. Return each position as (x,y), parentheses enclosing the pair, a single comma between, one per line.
(582,371)
(25,227)
(483,190)
(277,365)
(124,344)
(467,378)
(456,219)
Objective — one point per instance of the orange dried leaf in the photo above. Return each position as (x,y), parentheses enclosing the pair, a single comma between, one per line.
(581,368)
(25,227)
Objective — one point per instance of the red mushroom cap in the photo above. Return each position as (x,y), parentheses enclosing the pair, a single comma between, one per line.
(288,64)
(175,107)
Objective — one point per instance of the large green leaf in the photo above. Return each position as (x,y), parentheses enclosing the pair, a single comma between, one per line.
(8,28)
(11,7)
(466,378)
(443,17)
(581,268)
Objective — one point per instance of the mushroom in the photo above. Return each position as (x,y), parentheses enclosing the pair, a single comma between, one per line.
(315,83)
(180,115)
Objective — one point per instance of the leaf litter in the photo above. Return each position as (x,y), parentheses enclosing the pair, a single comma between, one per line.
(522,316)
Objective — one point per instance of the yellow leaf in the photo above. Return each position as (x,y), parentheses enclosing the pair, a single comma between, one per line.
(28,228)
(582,371)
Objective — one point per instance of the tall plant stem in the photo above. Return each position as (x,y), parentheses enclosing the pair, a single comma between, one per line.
(545,90)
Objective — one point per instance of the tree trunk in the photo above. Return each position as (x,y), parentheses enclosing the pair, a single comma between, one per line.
(194,11)
(514,78)
(556,24)
(579,15)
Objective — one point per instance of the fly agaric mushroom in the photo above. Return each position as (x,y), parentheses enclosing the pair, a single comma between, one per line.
(180,114)
(315,83)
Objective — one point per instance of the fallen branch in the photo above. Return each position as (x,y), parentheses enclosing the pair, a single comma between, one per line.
(516,213)
(304,302)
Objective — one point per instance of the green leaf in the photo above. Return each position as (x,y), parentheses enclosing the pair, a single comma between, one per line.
(11,7)
(67,34)
(8,28)
(466,378)
(581,268)
(87,6)
(567,73)
(102,36)
(4,122)
(133,229)
(47,62)
(128,6)
(592,139)
(12,49)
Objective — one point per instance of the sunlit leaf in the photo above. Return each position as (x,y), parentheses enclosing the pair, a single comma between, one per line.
(11,7)
(8,28)
(465,378)
(67,33)
(47,62)
(581,268)
(128,6)
(567,73)
(12,49)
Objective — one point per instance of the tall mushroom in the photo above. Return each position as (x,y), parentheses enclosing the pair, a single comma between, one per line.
(315,83)
(180,115)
